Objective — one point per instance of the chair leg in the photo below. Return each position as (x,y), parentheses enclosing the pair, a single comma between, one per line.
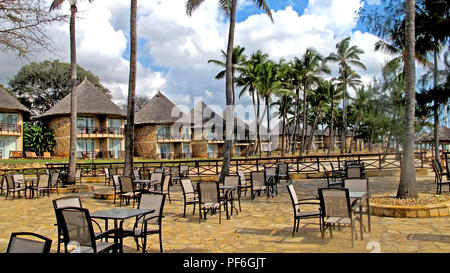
(293,229)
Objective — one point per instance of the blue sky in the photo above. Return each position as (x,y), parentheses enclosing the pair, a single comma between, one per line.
(174,49)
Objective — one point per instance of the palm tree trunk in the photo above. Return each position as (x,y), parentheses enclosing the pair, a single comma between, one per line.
(73,98)
(229,94)
(311,137)
(268,125)
(435,110)
(297,108)
(305,126)
(129,134)
(331,145)
(352,137)
(283,109)
(344,118)
(407,187)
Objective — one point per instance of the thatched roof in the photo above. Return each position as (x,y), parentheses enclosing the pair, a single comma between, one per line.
(90,100)
(8,101)
(201,113)
(158,110)
(443,135)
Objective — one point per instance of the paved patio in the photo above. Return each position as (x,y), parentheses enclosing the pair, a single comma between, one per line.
(264,225)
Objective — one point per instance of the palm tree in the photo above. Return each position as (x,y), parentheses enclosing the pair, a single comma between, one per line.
(229,8)
(247,81)
(359,104)
(332,96)
(238,60)
(407,187)
(268,83)
(309,67)
(129,132)
(317,102)
(346,56)
(56,4)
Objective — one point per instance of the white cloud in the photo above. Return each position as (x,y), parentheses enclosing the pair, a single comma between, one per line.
(176,48)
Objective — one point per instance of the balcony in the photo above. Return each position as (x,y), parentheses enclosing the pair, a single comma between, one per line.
(174,138)
(10,128)
(100,154)
(100,130)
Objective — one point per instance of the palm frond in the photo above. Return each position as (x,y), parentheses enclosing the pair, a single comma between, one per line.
(192,5)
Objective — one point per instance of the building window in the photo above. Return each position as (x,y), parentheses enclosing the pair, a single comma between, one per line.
(85,125)
(210,134)
(212,150)
(163,131)
(7,144)
(85,145)
(163,150)
(115,147)
(8,118)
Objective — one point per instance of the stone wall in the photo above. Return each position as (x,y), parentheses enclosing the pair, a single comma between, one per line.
(61,131)
(145,143)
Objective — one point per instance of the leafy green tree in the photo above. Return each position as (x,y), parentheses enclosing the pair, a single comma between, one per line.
(37,138)
(39,86)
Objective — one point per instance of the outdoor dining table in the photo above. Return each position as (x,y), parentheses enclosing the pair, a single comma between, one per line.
(228,195)
(29,183)
(357,196)
(119,214)
(146,183)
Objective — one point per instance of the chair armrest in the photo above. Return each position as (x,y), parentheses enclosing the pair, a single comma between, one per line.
(105,234)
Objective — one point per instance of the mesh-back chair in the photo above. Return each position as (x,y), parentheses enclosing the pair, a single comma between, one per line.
(19,179)
(235,194)
(3,185)
(64,202)
(298,213)
(447,166)
(150,223)
(438,174)
(136,174)
(337,174)
(184,171)
(175,172)
(159,170)
(127,190)
(189,195)
(78,232)
(283,171)
(54,181)
(360,185)
(336,209)
(158,178)
(28,242)
(271,180)
(330,181)
(108,176)
(116,184)
(42,185)
(13,187)
(257,183)
(166,186)
(354,172)
(209,199)
(78,175)
(244,183)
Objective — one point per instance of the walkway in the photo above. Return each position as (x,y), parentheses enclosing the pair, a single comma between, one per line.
(264,225)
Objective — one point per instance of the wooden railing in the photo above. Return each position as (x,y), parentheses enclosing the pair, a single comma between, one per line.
(296,164)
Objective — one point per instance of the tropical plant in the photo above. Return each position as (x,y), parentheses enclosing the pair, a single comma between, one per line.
(37,138)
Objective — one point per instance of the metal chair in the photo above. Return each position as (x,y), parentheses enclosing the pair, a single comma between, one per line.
(189,195)
(298,213)
(150,223)
(438,174)
(28,242)
(127,190)
(78,232)
(209,199)
(336,209)
(257,182)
